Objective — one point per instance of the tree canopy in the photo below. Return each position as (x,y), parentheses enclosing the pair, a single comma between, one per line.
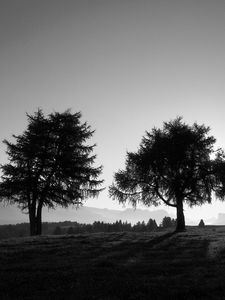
(173,165)
(50,164)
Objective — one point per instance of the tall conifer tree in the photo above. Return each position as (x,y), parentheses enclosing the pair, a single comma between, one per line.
(50,164)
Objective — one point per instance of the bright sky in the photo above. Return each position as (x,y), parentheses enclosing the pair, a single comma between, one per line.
(127,65)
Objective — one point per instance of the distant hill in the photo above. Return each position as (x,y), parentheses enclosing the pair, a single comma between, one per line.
(12,215)
(90,214)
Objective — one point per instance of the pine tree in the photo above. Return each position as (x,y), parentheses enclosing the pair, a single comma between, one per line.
(151,225)
(201,224)
(50,164)
(167,222)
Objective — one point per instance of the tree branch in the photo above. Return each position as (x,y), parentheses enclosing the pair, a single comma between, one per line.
(167,202)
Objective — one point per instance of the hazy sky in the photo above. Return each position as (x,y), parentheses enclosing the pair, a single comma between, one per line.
(126,65)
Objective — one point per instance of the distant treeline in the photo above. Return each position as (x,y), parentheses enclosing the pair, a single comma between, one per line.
(68,227)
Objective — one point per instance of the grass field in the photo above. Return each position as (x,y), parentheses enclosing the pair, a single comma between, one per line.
(162,265)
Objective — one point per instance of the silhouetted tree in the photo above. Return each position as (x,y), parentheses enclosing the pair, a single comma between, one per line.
(201,224)
(127,226)
(167,222)
(139,227)
(219,172)
(172,165)
(50,164)
(151,225)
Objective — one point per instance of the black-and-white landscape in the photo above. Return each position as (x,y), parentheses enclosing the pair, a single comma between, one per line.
(115,108)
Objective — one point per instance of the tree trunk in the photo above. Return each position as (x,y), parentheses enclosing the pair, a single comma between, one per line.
(32,220)
(39,219)
(180,216)
(35,218)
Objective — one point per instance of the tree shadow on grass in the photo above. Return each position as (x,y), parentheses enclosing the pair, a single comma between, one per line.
(115,266)
(168,267)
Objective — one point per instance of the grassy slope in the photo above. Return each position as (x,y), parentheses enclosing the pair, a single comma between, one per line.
(188,265)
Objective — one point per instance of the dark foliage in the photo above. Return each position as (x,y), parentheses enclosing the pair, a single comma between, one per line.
(173,165)
(151,225)
(201,224)
(168,222)
(98,226)
(50,164)
(219,172)
(18,230)
(68,227)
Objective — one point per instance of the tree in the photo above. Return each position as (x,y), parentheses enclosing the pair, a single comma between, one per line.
(201,224)
(219,174)
(173,165)
(151,225)
(167,222)
(50,164)
(139,227)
